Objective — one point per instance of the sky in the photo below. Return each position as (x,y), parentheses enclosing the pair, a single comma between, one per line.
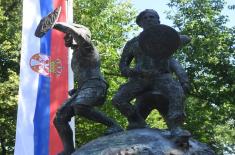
(160,6)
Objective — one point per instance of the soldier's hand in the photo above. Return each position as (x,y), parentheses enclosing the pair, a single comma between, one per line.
(186,87)
(72,92)
(68,40)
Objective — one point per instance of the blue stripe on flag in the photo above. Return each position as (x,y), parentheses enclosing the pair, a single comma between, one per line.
(42,111)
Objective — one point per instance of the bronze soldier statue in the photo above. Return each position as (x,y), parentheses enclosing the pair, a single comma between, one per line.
(92,87)
(150,80)
(91,91)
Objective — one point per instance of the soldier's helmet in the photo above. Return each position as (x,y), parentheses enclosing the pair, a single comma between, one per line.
(141,14)
(81,29)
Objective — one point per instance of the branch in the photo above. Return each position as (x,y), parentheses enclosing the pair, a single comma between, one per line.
(113,74)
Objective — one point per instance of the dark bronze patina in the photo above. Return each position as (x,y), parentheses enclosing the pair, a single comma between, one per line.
(92,87)
(150,81)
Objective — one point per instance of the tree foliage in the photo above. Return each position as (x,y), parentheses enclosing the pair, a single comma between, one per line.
(10,38)
(209,60)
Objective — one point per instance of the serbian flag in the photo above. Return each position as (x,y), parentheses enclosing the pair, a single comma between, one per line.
(44,80)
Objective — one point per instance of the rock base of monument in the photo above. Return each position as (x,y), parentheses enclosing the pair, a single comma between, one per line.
(142,142)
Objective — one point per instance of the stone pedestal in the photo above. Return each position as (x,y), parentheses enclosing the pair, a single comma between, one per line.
(141,142)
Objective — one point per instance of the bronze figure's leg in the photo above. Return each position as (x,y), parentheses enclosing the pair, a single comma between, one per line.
(122,100)
(145,105)
(93,114)
(176,114)
(61,122)
(84,105)
(149,101)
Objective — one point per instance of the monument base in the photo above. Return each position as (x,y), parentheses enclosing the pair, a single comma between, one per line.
(142,142)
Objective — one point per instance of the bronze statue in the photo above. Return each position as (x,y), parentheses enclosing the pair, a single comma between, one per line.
(92,87)
(150,80)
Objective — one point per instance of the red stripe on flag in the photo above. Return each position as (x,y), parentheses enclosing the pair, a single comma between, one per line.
(59,78)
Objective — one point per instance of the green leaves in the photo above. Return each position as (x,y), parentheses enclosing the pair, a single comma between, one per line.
(8,105)
(209,62)
(10,38)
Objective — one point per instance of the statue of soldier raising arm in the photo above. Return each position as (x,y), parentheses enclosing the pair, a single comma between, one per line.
(92,87)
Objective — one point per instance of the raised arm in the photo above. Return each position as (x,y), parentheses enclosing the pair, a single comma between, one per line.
(79,33)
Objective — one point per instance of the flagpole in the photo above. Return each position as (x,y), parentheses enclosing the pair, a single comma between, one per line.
(69,9)
(69,14)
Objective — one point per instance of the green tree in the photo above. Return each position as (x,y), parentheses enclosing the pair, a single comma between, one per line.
(10,38)
(209,61)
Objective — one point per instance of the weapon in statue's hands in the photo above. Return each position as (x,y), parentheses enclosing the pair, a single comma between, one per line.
(50,22)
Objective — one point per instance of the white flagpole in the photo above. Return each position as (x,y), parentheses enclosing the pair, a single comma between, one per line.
(70,21)
(69,6)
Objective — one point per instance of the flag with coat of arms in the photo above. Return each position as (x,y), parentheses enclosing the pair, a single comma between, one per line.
(45,78)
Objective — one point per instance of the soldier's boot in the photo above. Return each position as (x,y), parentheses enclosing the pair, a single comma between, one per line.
(180,136)
(92,114)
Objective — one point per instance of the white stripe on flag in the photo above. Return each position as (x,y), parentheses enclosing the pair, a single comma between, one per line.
(24,144)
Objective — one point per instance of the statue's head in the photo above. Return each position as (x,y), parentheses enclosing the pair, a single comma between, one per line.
(148,18)
(81,30)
